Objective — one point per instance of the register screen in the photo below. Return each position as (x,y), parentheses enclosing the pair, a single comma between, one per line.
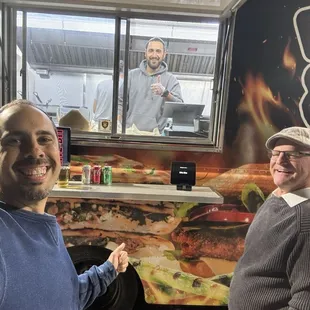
(64,136)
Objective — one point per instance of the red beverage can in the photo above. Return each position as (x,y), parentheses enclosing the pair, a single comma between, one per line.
(96,174)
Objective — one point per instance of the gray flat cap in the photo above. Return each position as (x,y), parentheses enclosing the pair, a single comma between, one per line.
(298,135)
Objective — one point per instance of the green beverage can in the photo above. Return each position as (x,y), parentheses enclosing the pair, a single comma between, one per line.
(107,175)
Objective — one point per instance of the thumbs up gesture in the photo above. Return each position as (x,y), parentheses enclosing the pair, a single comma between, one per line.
(119,258)
(157,88)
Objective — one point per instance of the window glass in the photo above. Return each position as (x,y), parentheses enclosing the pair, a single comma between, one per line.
(171,69)
(70,61)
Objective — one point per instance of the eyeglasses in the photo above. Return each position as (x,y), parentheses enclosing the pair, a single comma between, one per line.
(288,154)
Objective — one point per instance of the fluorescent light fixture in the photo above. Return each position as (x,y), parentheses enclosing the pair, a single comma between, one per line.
(42,71)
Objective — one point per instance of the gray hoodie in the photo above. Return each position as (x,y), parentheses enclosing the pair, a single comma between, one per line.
(144,108)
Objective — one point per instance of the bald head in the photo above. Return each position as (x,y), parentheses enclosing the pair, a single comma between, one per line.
(29,154)
(20,104)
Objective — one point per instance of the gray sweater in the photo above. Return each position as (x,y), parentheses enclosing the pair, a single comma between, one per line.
(144,108)
(274,271)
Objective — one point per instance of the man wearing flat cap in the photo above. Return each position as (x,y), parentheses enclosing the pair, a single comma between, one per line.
(274,271)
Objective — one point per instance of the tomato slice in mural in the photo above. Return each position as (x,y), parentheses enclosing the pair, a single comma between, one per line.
(234,217)
(208,209)
(221,213)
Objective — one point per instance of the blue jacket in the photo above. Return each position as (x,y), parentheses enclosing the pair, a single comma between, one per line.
(36,271)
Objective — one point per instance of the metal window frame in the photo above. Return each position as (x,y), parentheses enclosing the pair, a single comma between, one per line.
(213,143)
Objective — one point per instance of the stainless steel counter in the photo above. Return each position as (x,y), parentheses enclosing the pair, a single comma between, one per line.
(148,192)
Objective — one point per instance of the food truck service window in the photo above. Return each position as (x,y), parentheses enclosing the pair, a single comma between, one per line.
(120,79)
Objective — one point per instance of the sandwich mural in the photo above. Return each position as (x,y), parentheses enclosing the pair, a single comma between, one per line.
(185,253)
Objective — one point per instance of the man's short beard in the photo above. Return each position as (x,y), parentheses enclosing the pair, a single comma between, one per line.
(34,195)
(152,66)
(22,195)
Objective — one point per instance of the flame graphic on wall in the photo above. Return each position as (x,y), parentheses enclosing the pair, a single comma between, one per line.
(257,101)
(260,103)
(289,61)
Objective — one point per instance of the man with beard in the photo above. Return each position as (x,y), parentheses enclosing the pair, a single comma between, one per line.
(274,271)
(149,86)
(36,271)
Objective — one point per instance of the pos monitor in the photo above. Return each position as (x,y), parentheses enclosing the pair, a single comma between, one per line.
(183,114)
(183,175)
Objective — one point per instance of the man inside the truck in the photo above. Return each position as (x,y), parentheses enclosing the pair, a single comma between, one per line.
(102,106)
(274,271)
(149,86)
(36,271)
